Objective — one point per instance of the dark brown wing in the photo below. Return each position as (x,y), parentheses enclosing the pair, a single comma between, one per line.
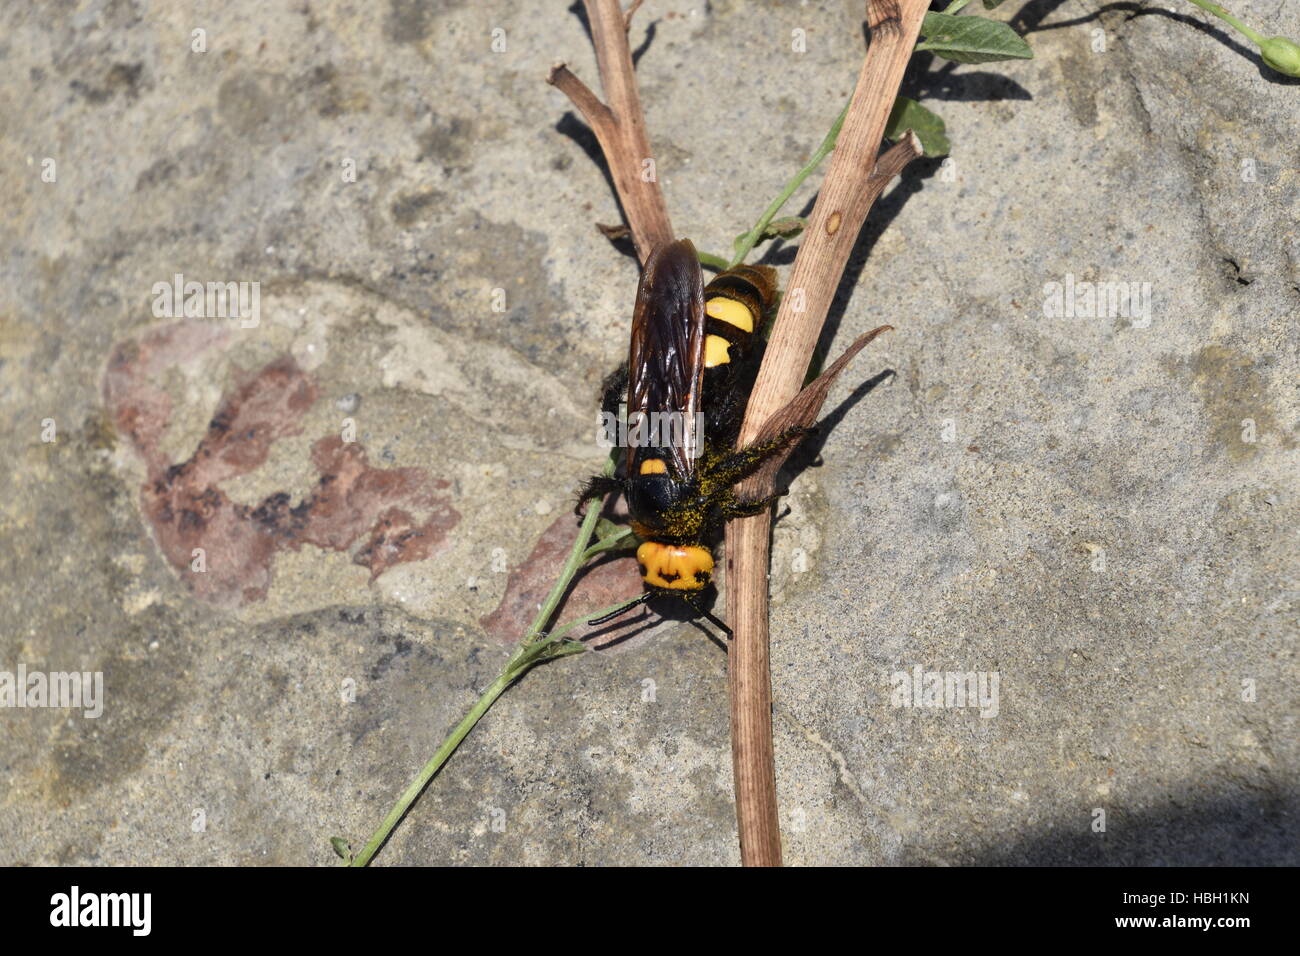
(666,365)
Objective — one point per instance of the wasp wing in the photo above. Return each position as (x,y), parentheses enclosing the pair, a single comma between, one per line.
(666,365)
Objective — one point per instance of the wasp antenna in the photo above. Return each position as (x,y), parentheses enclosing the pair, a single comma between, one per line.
(605,618)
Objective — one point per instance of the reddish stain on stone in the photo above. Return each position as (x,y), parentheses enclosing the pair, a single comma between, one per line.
(399,514)
(604,583)
(140,408)
(354,499)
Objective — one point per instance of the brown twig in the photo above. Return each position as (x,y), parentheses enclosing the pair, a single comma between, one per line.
(620,125)
(851,186)
(631,12)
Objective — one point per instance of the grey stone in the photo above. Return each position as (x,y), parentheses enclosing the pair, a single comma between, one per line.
(1097,531)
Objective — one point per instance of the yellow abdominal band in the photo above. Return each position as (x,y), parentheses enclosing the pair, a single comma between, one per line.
(733,313)
(675,567)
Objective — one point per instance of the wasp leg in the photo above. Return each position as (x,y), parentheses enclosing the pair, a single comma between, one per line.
(597,487)
(613,389)
(743,462)
(733,507)
(694,603)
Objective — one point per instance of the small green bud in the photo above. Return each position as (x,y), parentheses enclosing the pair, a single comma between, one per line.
(1282,55)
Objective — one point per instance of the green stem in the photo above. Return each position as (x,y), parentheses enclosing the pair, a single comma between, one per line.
(529,655)
(606,543)
(712,261)
(574,560)
(534,649)
(495,690)
(563,628)
(955,7)
(1227,17)
(750,239)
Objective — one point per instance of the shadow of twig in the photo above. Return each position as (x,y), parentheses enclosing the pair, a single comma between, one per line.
(1029,19)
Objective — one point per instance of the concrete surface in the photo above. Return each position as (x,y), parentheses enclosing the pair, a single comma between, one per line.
(1072,503)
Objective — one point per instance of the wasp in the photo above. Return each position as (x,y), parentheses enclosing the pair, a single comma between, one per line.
(694,356)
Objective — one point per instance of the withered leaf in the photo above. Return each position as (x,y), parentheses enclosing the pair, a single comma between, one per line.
(800,412)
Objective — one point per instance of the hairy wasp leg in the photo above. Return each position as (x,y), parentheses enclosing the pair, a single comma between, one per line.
(743,462)
(597,486)
(740,508)
(613,389)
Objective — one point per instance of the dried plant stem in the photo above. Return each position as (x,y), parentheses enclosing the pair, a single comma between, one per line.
(620,125)
(852,185)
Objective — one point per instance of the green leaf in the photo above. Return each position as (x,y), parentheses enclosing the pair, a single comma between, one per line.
(972,39)
(565,648)
(611,537)
(992,4)
(341,848)
(786,228)
(929,128)
(549,649)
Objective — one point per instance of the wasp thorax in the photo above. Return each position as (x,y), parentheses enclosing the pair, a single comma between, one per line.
(650,496)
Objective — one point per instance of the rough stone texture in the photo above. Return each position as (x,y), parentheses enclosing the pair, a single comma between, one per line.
(1097,531)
